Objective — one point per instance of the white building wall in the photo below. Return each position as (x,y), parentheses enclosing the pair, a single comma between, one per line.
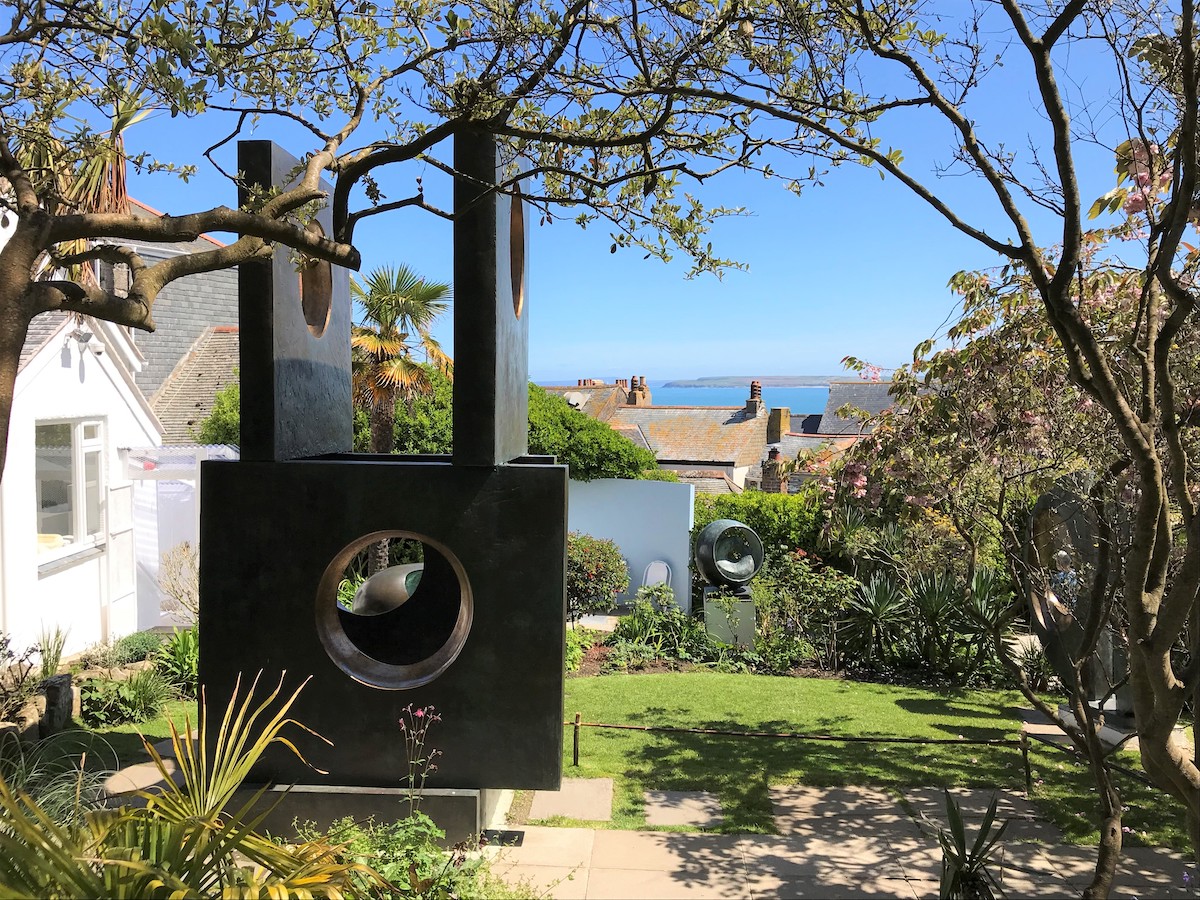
(91,592)
(647,520)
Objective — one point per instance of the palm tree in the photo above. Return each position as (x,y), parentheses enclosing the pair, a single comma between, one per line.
(391,348)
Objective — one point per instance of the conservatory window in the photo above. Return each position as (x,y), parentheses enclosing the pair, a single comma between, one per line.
(69,478)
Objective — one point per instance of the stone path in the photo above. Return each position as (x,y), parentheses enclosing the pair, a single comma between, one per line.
(833,842)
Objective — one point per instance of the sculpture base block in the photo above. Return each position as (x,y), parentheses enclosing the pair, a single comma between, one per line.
(461,814)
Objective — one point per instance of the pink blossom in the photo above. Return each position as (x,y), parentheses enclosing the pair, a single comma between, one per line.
(1135,203)
(420,713)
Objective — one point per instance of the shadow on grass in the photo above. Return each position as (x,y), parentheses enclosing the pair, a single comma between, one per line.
(741,769)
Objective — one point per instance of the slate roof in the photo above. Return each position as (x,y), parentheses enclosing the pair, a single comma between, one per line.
(698,434)
(599,401)
(186,397)
(708,481)
(634,434)
(870,396)
(42,330)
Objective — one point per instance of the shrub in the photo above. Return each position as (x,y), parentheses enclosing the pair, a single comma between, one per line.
(783,522)
(104,702)
(669,634)
(17,681)
(179,580)
(178,661)
(136,647)
(659,475)
(579,640)
(596,573)
(51,650)
(63,774)
(798,605)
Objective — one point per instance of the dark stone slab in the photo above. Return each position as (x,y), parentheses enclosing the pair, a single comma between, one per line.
(59,703)
(491,321)
(271,534)
(294,337)
(456,812)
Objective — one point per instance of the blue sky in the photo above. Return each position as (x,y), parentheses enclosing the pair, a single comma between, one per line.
(856,267)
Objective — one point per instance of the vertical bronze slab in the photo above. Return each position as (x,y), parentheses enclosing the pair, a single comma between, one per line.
(294,323)
(491,321)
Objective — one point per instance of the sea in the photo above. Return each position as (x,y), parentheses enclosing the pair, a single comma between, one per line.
(798,400)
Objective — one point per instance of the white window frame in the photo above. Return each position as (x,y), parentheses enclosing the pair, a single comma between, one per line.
(80,540)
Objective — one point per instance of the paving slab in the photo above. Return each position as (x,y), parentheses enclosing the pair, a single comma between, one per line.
(825,885)
(625,884)
(793,853)
(798,803)
(972,802)
(588,799)
(559,882)
(699,809)
(683,855)
(141,777)
(568,847)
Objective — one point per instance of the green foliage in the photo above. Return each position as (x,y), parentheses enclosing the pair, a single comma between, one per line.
(408,854)
(589,448)
(186,840)
(50,649)
(877,620)
(798,605)
(783,522)
(659,475)
(64,773)
(178,661)
(579,640)
(136,647)
(140,697)
(664,633)
(223,424)
(19,682)
(965,873)
(425,421)
(596,574)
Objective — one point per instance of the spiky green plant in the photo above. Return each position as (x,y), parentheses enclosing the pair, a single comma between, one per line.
(186,841)
(965,872)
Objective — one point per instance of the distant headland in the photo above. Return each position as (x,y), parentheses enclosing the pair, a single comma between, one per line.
(731,381)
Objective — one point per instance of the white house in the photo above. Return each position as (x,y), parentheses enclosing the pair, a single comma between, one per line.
(66,503)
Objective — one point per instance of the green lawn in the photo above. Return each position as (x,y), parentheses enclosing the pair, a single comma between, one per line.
(740,770)
(126,740)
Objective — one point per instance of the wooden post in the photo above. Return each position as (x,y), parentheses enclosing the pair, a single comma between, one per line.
(575,751)
(1025,762)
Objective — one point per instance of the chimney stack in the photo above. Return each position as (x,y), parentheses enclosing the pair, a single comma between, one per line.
(779,424)
(772,480)
(754,405)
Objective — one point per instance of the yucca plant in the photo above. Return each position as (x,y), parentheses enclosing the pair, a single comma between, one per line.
(876,618)
(185,842)
(937,602)
(965,872)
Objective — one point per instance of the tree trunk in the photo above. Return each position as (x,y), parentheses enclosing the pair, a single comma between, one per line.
(383,428)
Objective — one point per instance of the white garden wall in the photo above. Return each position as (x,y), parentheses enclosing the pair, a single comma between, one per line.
(647,520)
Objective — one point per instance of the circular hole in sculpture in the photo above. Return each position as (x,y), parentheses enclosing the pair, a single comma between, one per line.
(316,288)
(516,251)
(396,625)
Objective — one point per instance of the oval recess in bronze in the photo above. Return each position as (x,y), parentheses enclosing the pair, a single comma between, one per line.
(516,250)
(316,287)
